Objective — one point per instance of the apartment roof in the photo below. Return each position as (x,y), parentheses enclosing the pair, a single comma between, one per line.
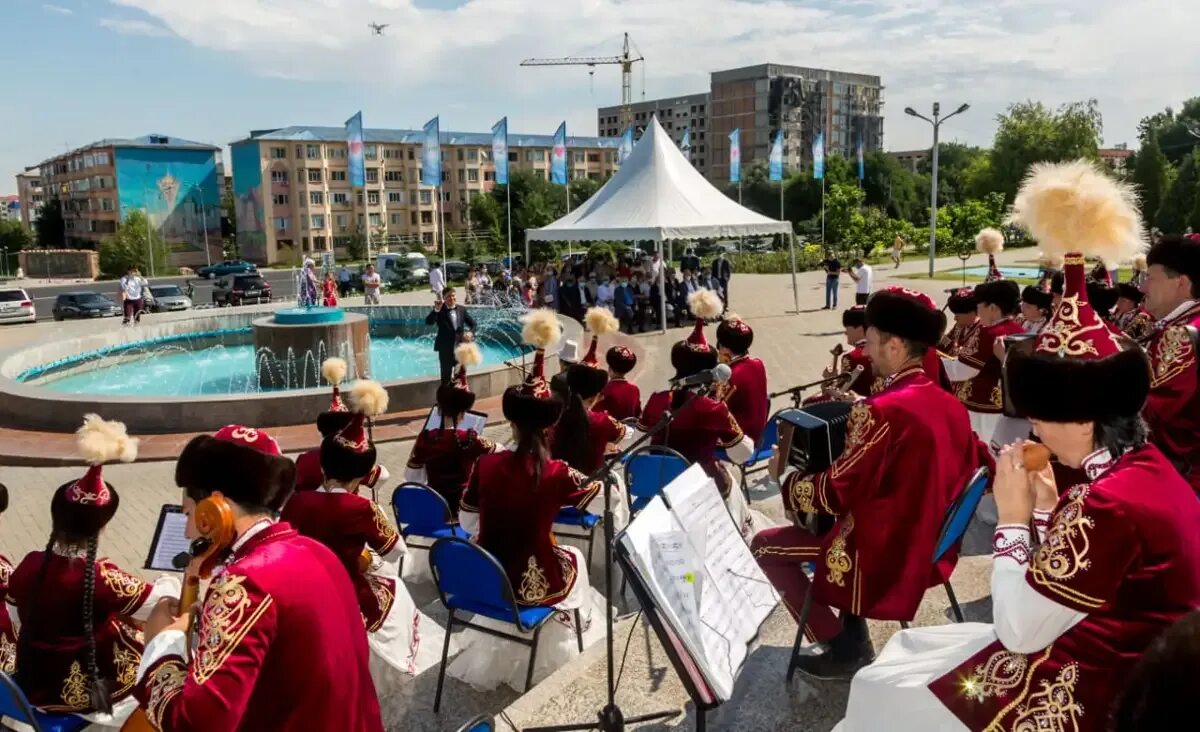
(307,133)
(149,140)
(759,71)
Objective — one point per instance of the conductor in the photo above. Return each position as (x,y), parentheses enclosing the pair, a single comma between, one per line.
(454,325)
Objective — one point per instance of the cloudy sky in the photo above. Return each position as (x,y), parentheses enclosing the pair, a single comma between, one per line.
(211,70)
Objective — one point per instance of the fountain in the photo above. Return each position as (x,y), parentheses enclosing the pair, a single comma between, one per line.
(322,331)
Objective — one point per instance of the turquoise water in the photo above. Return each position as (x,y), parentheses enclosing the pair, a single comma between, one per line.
(1012,272)
(167,370)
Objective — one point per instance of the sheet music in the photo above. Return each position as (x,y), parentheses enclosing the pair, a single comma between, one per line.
(169,539)
(469,421)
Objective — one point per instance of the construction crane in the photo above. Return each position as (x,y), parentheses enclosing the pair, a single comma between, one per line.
(626,61)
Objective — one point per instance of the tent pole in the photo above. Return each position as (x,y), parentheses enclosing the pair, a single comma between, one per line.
(662,290)
(528,261)
(508,219)
(742,239)
(795,287)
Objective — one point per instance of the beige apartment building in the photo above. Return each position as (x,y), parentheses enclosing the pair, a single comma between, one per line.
(29,191)
(294,197)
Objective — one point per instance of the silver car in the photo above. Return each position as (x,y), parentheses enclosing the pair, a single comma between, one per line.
(167,298)
(16,306)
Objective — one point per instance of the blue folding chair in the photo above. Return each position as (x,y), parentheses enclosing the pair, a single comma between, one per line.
(762,453)
(471,581)
(482,723)
(422,512)
(582,520)
(15,706)
(648,470)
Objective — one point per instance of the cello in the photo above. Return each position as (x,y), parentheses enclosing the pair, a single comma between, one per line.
(213,519)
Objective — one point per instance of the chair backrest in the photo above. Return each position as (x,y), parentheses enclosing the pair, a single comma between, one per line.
(468,577)
(419,509)
(770,436)
(14,704)
(958,516)
(649,469)
(482,723)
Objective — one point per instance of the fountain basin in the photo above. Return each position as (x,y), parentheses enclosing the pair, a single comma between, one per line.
(322,332)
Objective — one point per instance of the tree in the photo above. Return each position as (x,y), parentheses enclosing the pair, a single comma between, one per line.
(13,237)
(1180,199)
(128,248)
(843,219)
(49,229)
(1030,133)
(965,219)
(1173,130)
(356,245)
(1150,177)
(955,162)
(892,187)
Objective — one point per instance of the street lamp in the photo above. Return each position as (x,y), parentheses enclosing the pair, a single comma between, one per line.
(936,122)
(204,223)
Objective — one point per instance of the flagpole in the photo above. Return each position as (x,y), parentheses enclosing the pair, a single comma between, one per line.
(441,225)
(742,240)
(567,188)
(508,208)
(823,210)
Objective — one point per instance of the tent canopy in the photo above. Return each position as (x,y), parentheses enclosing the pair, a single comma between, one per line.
(657,195)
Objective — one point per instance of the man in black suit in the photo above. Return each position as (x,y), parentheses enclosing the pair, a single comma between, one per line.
(689,262)
(454,324)
(574,298)
(722,272)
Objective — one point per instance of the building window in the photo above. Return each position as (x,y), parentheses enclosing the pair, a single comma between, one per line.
(316,198)
(535,156)
(340,199)
(445,196)
(445,176)
(593,157)
(426,217)
(472,155)
(390,153)
(460,154)
(371,152)
(101,159)
(372,198)
(462,176)
(281,223)
(106,204)
(314,175)
(396,197)
(512,157)
(372,175)
(375,220)
(473,175)
(279,176)
(394,176)
(426,198)
(395,219)
(338,176)
(336,153)
(489,176)
(318,221)
(313,152)
(410,154)
(280,199)
(358,197)
(340,222)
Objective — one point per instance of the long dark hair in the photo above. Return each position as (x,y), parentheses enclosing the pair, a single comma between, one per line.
(1119,435)
(573,434)
(531,443)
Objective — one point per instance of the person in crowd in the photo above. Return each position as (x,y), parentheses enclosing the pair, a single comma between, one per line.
(624,305)
(371,285)
(437,279)
(1172,288)
(678,294)
(76,613)
(909,453)
(329,293)
(509,506)
(454,325)
(1103,293)
(593,287)
(344,276)
(897,251)
(133,289)
(350,525)
(621,398)
(990,242)
(722,272)
(8,629)
(606,294)
(1129,315)
(966,322)
(863,278)
(549,289)
(279,634)
(689,262)
(308,286)
(444,455)
(572,297)
(1035,309)
(1109,564)
(745,394)
(644,309)
(833,272)
(1163,687)
(527,296)
(472,286)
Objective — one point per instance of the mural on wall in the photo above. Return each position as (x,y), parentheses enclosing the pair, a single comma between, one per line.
(248,197)
(179,192)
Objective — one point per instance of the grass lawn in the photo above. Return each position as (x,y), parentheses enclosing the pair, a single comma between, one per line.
(955,275)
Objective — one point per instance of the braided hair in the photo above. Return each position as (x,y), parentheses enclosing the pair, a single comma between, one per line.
(99,690)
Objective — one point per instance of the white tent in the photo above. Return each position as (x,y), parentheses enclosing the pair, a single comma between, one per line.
(657,196)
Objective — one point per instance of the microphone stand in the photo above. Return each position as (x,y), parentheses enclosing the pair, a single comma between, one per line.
(611,718)
(798,391)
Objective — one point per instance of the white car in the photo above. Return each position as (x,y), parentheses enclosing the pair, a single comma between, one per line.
(16,306)
(166,298)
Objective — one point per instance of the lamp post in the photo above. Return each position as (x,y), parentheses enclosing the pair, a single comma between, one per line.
(204,224)
(936,122)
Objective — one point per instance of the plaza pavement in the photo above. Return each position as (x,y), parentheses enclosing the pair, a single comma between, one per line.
(795,348)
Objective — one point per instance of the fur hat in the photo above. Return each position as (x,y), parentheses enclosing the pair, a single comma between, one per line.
(242,463)
(1102,297)
(1130,291)
(907,314)
(855,317)
(962,301)
(693,354)
(990,242)
(531,404)
(80,508)
(1057,283)
(1004,294)
(621,359)
(1037,297)
(456,396)
(735,334)
(588,378)
(1076,369)
(349,453)
(1179,254)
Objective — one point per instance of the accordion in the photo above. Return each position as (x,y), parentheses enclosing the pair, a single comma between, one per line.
(813,437)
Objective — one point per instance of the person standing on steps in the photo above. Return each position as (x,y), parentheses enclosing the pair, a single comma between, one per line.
(454,325)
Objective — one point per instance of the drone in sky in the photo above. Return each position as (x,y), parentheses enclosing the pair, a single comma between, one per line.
(377,28)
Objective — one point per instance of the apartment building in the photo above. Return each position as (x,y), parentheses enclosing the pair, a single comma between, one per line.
(10,208)
(173,181)
(1116,158)
(293,194)
(676,114)
(29,190)
(911,159)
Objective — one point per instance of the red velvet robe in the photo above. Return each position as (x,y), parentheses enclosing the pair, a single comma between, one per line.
(310,475)
(956,337)
(8,636)
(621,399)
(280,647)
(746,396)
(909,452)
(54,659)
(1173,408)
(346,523)
(447,457)
(604,431)
(931,363)
(983,393)
(699,429)
(1126,556)
(516,517)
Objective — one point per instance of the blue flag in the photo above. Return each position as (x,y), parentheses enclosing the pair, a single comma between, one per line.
(686,144)
(558,157)
(819,156)
(354,141)
(861,166)
(626,145)
(735,156)
(500,150)
(775,162)
(431,154)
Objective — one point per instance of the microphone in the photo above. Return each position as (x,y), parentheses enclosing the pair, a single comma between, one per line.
(853,375)
(720,372)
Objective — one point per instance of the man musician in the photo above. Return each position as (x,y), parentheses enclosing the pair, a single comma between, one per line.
(854,325)
(909,452)
(966,321)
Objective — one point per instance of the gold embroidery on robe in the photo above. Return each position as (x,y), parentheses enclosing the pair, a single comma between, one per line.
(6,571)
(1172,355)
(227,616)
(75,688)
(963,391)
(997,724)
(127,654)
(533,583)
(863,432)
(999,674)
(385,529)
(837,560)
(385,595)
(123,585)
(8,655)
(997,396)
(1064,553)
(802,493)
(1053,708)
(165,683)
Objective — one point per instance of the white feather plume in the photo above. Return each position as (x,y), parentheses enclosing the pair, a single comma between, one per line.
(540,329)
(705,304)
(600,321)
(368,398)
(1139,263)
(333,370)
(100,441)
(468,354)
(989,241)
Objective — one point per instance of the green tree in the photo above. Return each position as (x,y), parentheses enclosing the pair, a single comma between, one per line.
(1180,199)
(963,220)
(843,217)
(356,245)
(13,237)
(129,248)
(1031,133)
(955,164)
(582,190)
(892,187)
(49,229)
(1173,130)
(1150,176)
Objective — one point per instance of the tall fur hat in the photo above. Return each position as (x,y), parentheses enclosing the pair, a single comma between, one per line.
(589,377)
(456,396)
(350,454)
(693,354)
(990,242)
(906,313)
(242,463)
(531,404)
(80,508)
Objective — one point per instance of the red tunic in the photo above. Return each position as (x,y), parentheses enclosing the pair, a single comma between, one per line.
(1126,556)
(8,636)
(54,655)
(621,399)
(604,431)
(909,452)
(852,360)
(1173,407)
(746,396)
(447,457)
(309,475)
(956,337)
(983,393)
(516,517)
(346,523)
(700,428)
(280,647)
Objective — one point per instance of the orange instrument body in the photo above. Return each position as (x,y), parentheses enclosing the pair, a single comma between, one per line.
(1035,456)
(213,518)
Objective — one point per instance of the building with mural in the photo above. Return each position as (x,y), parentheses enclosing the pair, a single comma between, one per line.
(173,181)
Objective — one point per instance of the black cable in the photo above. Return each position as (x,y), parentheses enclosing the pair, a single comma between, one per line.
(632,627)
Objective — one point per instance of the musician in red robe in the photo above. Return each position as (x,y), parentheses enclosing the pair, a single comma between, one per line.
(1172,288)
(1036,307)
(966,321)
(746,391)
(8,631)
(909,452)
(621,397)
(308,464)
(854,326)
(279,636)
(444,455)
(1078,599)
(1130,316)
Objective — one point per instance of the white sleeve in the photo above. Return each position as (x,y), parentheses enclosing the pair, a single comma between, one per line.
(742,451)
(165,586)
(957,370)
(166,643)
(13,616)
(1026,621)
(469,521)
(416,475)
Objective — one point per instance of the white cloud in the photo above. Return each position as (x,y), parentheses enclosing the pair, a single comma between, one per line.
(57,9)
(134,27)
(987,52)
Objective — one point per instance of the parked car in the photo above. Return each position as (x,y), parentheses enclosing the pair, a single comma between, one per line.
(84,305)
(241,289)
(389,262)
(228,267)
(167,298)
(455,270)
(16,306)
(492,266)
